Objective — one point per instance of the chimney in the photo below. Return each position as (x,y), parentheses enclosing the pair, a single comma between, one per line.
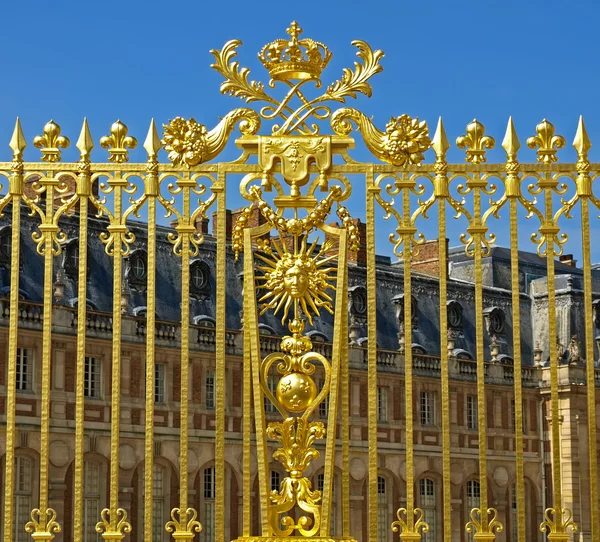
(230,219)
(360,256)
(58,198)
(427,261)
(567,259)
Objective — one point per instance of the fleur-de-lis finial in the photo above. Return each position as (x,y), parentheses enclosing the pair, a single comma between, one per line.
(17,141)
(85,143)
(558,525)
(294,31)
(484,528)
(51,142)
(511,143)
(475,142)
(118,142)
(546,142)
(409,530)
(113,529)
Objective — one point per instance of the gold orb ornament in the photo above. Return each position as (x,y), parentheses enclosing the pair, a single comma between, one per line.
(296,391)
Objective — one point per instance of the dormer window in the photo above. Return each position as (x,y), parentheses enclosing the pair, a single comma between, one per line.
(137,269)
(455,315)
(5,245)
(199,278)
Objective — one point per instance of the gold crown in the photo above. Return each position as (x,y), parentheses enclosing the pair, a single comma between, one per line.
(294,58)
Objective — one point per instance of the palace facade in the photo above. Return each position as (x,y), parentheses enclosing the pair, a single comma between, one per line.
(391,400)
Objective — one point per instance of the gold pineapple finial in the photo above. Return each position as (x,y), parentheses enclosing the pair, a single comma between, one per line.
(295,58)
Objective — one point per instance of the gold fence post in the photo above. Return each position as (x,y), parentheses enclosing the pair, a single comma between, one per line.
(17,144)
(113,525)
(558,520)
(84,185)
(43,524)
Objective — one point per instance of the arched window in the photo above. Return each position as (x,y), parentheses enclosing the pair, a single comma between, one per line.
(428,504)
(472,501)
(158,503)
(333,500)
(208,531)
(91,500)
(275,480)
(514,517)
(383,527)
(22,506)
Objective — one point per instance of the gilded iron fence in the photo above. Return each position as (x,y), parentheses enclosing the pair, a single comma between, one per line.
(296,275)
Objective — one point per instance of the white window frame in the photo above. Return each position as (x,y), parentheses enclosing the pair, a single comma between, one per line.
(272,385)
(22,497)
(382,404)
(24,371)
(275,480)
(472,413)
(92,391)
(427,408)
(91,500)
(160,371)
(209,389)
(208,489)
(427,495)
(383,524)
(158,502)
(324,404)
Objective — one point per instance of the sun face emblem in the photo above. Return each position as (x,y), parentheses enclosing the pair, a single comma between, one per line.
(296,278)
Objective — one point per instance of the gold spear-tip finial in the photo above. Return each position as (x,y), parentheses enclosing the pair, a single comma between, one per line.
(511,143)
(440,143)
(152,143)
(85,143)
(582,141)
(17,141)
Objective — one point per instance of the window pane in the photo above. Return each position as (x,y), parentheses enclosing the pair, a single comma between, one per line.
(210,388)
(159,383)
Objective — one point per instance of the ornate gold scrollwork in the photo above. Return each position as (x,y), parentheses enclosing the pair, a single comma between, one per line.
(43,527)
(183,526)
(113,530)
(558,526)
(484,529)
(190,143)
(408,527)
(403,143)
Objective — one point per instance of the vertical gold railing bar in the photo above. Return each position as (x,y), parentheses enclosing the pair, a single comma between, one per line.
(46,351)
(440,145)
(548,184)
(408,364)
(590,377)
(251,327)
(518,377)
(372,503)
(16,191)
(185,357)
(479,340)
(345,406)
(247,430)
(151,189)
(341,309)
(84,183)
(582,145)
(220,303)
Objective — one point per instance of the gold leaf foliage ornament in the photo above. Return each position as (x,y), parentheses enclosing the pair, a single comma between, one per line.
(403,143)
(190,143)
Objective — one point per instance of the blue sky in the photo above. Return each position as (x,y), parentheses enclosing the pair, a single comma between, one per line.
(137,60)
